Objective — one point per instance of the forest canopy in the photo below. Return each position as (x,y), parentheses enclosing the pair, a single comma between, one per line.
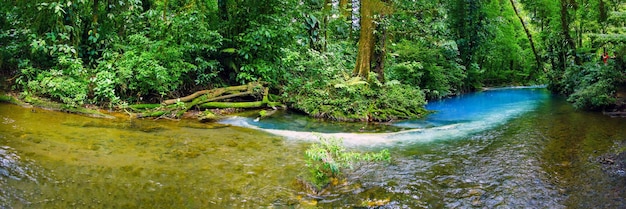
(358,60)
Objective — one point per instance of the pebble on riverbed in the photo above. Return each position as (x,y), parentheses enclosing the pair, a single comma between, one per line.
(613,164)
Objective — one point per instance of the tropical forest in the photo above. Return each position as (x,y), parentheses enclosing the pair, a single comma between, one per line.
(312,104)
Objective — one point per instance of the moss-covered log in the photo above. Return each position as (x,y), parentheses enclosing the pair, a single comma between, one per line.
(144,106)
(207,99)
(258,104)
(9,99)
(45,104)
(214,93)
(152,114)
(30,101)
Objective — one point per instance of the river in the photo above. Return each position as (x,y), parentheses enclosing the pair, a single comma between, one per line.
(504,148)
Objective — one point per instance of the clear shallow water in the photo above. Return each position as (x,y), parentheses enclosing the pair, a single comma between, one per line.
(56,160)
(540,157)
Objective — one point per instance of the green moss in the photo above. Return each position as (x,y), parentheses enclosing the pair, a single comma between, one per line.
(46,104)
(144,106)
(6,98)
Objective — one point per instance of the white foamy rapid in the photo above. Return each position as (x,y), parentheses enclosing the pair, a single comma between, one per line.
(457,127)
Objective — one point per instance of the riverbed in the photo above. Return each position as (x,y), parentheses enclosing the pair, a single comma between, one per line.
(531,151)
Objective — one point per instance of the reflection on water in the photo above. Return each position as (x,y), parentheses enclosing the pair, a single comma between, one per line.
(536,152)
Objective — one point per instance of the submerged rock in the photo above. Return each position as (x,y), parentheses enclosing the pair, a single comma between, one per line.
(207,116)
(613,164)
(14,168)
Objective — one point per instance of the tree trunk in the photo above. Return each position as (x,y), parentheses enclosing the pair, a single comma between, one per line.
(214,92)
(223,9)
(603,13)
(529,35)
(366,40)
(328,6)
(566,31)
(380,54)
(343,9)
(94,13)
(164,10)
(238,104)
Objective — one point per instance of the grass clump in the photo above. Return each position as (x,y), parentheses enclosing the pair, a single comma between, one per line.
(329,162)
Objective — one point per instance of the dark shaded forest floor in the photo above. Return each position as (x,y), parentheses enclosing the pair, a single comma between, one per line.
(619,109)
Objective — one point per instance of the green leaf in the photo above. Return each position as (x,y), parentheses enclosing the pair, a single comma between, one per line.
(229,50)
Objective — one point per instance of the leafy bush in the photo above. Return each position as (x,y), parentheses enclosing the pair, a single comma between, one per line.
(104,87)
(329,160)
(199,45)
(310,69)
(590,86)
(594,96)
(62,78)
(67,89)
(144,68)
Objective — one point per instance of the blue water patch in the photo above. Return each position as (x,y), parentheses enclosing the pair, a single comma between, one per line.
(499,104)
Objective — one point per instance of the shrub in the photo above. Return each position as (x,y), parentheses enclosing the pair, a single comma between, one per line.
(104,87)
(329,159)
(65,81)
(590,86)
(143,68)
(594,96)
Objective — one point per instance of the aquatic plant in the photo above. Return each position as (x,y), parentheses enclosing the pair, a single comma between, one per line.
(328,161)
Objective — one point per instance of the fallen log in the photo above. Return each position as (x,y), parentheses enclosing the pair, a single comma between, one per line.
(31,101)
(258,104)
(216,92)
(207,99)
(143,106)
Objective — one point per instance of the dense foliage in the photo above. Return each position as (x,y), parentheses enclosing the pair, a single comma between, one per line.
(315,54)
(583,47)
